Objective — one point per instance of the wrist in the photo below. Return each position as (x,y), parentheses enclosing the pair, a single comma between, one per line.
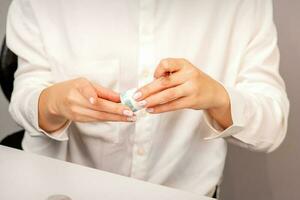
(221,98)
(50,119)
(221,111)
(47,98)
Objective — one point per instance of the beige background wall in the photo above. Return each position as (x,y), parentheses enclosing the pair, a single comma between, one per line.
(248,175)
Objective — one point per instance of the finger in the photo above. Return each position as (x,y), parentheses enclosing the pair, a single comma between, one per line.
(165,96)
(82,118)
(177,104)
(82,114)
(103,116)
(112,107)
(106,93)
(158,85)
(101,105)
(167,66)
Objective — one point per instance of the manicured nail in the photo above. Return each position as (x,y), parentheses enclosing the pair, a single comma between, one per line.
(128,113)
(132,119)
(142,103)
(92,100)
(137,95)
(150,110)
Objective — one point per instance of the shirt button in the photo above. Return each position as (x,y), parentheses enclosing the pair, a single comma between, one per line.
(141,151)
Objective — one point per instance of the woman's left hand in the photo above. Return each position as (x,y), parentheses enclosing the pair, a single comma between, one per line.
(178,85)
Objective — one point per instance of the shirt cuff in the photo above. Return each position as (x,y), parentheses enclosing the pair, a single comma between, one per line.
(238,102)
(58,135)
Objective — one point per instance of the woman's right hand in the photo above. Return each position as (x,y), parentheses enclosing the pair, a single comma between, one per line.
(81,101)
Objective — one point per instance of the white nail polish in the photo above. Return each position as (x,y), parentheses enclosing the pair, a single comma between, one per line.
(92,100)
(137,95)
(128,113)
(150,110)
(142,103)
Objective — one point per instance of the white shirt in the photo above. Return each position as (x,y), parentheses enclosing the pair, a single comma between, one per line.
(118,44)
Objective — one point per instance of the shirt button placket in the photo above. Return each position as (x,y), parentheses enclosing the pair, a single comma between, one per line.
(141,144)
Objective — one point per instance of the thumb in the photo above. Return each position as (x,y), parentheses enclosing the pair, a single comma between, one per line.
(106,93)
(89,92)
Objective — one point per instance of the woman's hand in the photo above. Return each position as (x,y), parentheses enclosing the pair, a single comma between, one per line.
(81,101)
(179,85)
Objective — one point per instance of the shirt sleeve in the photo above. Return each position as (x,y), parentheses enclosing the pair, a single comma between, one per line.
(259,104)
(33,74)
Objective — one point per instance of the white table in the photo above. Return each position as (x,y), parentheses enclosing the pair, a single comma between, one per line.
(27,176)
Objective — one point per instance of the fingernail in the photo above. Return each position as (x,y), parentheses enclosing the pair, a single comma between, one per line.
(142,103)
(137,95)
(131,119)
(150,110)
(128,113)
(92,100)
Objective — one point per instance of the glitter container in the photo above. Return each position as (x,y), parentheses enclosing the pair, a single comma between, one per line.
(128,100)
